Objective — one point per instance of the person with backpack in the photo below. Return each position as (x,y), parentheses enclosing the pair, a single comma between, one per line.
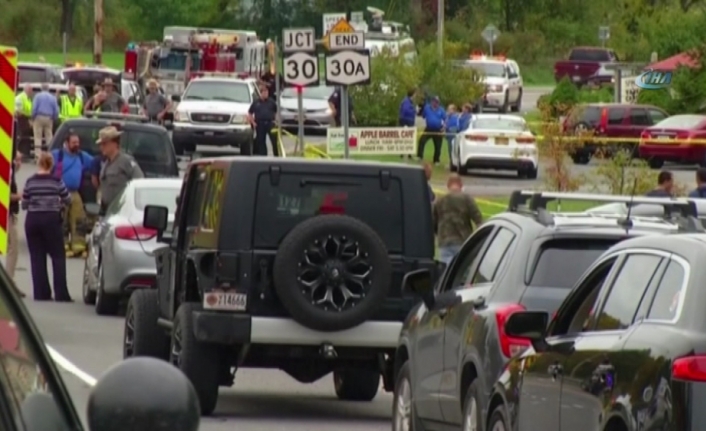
(70,163)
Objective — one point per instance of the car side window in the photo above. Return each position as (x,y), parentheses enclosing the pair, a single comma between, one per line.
(656,116)
(495,257)
(195,197)
(212,201)
(466,260)
(638,117)
(616,115)
(583,300)
(627,291)
(670,291)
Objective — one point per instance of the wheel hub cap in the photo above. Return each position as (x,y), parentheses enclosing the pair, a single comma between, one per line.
(403,408)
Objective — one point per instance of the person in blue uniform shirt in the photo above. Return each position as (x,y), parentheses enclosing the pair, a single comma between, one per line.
(408,112)
(665,186)
(435,118)
(700,190)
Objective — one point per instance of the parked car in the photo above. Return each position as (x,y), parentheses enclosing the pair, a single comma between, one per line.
(120,258)
(502,79)
(317,114)
(34,397)
(672,140)
(453,346)
(586,65)
(610,120)
(625,351)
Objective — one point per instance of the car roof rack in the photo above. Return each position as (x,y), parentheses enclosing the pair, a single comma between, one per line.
(680,211)
(118,116)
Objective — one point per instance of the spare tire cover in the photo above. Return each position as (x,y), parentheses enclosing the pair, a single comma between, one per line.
(332,272)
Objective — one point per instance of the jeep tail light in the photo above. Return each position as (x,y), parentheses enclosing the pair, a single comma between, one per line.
(476,138)
(690,369)
(526,140)
(331,203)
(134,233)
(510,346)
(603,124)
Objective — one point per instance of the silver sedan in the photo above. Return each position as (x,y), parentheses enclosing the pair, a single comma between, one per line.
(120,256)
(317,114)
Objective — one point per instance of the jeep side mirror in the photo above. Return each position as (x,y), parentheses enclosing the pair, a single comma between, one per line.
(421,283)
(143,394)
(155,217)
(530,325)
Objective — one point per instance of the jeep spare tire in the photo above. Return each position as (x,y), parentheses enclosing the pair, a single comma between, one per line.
(332,272)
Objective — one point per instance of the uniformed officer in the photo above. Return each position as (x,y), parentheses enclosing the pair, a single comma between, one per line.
(262,115)
(117,168)
(71,106)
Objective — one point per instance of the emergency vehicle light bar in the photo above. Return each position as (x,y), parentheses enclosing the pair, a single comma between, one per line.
(116,116)
(537,201)
(479,55)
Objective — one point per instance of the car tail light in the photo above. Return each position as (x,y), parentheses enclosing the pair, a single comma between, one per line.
(690,369)
(683,136)
(526,140)
(645,135)
(476,138)
(134,233)
(603,124)
(141,282)
(510,346)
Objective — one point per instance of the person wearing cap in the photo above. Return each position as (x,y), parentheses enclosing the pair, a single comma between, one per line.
(107,100)
(117,168)
(262,115)
(435,118)
(155,105)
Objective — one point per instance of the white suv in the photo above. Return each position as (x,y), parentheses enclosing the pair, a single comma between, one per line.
(214,111)
(502,80)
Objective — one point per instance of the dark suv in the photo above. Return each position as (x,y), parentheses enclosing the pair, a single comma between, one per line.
(453,346)
(288,264)
(613,121)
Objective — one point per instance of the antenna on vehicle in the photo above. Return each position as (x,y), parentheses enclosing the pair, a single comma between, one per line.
(627,222)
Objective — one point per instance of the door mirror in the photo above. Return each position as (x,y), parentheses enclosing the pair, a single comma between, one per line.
(530,325)
(121,400)
(421,283)
(155,217)
(92,209)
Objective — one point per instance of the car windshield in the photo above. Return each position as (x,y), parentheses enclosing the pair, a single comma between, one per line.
(573,256)
(28,74)
(319,93)
(218,90)
(589,55)
(500,124)
(487,69)
(681,122)
(162,196)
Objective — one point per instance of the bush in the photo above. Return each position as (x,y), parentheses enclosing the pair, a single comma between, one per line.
(445,79)
(622,175)
(563,98)
(660,98)
(554,149)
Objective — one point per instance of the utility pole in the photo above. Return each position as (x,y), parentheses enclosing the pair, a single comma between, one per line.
(440,27)
(98,31)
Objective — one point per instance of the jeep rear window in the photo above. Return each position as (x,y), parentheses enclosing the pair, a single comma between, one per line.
(297,197)
(562,262)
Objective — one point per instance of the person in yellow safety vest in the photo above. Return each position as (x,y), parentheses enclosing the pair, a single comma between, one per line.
(71,105)
(23,102)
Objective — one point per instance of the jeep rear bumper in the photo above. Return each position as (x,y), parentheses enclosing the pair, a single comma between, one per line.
(238,329)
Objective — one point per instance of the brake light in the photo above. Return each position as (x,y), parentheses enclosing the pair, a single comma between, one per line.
(684,136)
(525,140)
(603,124)
(690,369)
(134,233)
(476,138)
(510,346)
(645,135)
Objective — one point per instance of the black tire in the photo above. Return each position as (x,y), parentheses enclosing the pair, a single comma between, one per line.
(462,170)
(398,422)
(246,148)
(655,163)
(356,384)
(506,104)
(106,305)
(146,337)
(200,362)
(469,403)
(518,104)
(581,157)
(532,173)
(320,230)
(88,295)
(498,418)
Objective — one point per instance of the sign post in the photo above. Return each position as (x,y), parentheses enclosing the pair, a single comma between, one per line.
(490,33)
(301,68)
(348,65)
(603,34)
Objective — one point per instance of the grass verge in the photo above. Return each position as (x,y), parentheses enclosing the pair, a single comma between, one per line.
(492,205)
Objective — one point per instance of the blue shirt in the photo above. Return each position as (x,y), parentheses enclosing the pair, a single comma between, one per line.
(699,192)
(434,117)
(452,123)
(45,104)
(464,121)
(408,112)
(71,167)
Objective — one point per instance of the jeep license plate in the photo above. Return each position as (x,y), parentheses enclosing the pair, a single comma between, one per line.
(208,133)
(230,301)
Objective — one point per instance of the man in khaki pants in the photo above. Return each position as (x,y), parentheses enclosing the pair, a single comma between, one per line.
(45,111)
(12,236)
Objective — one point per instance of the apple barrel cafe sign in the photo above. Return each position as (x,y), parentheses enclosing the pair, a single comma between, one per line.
(373,141)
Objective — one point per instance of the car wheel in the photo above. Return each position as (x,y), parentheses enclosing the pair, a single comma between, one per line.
(332,272)
(518,105)
(356,384)
(89,296)
(462,170)
(581,157)
(655,163)
(472,411)
(506,103)
(497,420)
(142,335)
(106,304)
(404,416)
(200,362)
(532,173)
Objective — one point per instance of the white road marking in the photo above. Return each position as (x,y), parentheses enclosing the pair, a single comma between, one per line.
(70,367)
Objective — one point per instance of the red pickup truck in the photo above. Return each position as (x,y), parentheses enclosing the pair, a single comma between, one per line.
(586,65)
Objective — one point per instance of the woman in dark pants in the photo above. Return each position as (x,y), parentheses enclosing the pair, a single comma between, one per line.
(44,197)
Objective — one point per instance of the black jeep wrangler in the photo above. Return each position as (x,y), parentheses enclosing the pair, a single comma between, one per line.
(284,263)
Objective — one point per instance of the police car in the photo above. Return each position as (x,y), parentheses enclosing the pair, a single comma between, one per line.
(498,142)
(502,79)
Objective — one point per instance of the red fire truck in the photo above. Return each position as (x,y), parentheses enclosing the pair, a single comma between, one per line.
(187,52)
